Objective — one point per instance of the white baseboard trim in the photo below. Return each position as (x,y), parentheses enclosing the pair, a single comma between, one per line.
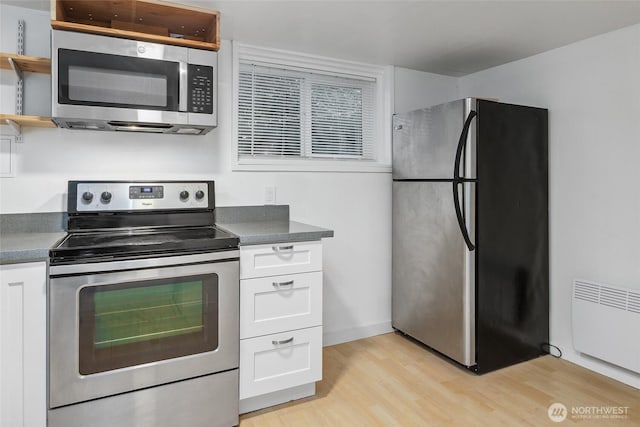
(604,368)
(352,334)
(277,397)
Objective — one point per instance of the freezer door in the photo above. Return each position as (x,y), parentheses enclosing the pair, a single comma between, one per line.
(425,141)
(433,271)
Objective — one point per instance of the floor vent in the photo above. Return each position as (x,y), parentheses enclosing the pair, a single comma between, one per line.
(606,323)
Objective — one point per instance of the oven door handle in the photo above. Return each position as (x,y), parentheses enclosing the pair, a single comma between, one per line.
(143,263)
(183,69)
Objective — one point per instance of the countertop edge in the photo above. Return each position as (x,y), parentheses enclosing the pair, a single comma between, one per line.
(24,257)
(284,238)
(310,232)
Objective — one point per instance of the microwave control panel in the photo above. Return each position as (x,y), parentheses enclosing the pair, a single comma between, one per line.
(200,89)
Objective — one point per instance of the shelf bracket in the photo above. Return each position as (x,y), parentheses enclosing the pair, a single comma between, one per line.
(14,125)
(16,128)
(16,68)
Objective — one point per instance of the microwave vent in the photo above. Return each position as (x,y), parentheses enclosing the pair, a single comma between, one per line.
(84,125)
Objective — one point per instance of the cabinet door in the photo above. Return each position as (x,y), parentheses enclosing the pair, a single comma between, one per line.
(280,303)
(23,308)
(280,258)
(279,361)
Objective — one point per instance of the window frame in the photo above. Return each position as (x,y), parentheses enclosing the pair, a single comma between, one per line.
(383,75)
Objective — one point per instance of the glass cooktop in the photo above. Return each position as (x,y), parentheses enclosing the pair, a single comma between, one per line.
(90,246)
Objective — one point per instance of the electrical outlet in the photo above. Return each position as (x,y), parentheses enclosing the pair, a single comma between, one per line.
(269,195)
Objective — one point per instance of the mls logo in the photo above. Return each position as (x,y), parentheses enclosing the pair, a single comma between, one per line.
(557,412)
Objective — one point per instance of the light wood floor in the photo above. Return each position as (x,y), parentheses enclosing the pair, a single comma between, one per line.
(389,380)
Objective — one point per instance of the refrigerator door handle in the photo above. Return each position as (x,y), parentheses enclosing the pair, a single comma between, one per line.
(457,180)
(461,224)
(461,144)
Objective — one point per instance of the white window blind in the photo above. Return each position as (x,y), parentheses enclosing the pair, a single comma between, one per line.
(284,113)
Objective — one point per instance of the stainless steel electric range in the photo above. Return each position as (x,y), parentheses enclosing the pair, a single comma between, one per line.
(143,309)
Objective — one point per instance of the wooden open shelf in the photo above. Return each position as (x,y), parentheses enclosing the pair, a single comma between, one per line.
(147,20)
(34,121)
(31,64)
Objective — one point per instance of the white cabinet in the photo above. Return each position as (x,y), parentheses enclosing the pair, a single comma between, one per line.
(280,322)
(280,361)
(282,258)
(278,303)
(23,310)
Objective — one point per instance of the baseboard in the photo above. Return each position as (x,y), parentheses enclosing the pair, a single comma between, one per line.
(352,334)
(602,367)
(277,397)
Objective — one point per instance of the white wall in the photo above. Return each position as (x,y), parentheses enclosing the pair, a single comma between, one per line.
(417,89)
(592,91)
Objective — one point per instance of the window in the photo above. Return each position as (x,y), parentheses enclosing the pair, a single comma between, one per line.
(298,112)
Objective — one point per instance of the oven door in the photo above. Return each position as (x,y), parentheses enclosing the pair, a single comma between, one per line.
(122,326)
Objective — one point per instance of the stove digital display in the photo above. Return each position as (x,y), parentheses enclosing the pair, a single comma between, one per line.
(146,192)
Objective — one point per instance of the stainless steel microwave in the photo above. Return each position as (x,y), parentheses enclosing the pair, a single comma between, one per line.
(113,84)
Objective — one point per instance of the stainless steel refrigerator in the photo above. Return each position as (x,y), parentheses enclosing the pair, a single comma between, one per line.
(470,231)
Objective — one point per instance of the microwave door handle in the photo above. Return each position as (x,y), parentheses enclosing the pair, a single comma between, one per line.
(184,82)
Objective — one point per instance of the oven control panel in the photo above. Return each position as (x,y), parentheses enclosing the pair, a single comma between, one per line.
(105,196)
(146,192)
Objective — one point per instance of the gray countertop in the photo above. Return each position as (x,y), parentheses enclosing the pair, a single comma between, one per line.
(28,237)
(266,224)
(26,247)
(256,232)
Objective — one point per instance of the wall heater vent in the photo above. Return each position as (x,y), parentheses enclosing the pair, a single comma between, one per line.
(606,323)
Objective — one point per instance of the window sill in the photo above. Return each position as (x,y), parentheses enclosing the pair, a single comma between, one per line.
(265,165)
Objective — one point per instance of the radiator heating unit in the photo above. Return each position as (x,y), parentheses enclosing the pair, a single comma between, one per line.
(606,323)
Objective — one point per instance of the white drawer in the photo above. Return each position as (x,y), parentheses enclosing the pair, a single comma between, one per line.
(280,258)
(267,366)
(280,303)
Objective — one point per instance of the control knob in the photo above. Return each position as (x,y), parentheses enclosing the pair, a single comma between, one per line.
(199,194)
(105,197)
(87,196)
(184,195)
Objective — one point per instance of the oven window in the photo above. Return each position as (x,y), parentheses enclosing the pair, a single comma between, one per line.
(96,79)
(129,324)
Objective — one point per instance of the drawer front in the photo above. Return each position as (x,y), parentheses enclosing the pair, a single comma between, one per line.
(280,303)
(280,258)
(279,361)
